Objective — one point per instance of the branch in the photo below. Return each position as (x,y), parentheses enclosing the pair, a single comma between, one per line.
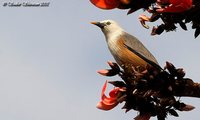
(188,89)
(152,92)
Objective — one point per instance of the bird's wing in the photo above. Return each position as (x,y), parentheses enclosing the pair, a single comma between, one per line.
(134,45)
(144,58)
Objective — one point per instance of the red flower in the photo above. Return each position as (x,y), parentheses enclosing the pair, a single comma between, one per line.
(115,95)
(110,72)
(175,6)
(105,4)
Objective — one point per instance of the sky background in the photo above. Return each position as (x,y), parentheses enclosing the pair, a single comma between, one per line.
(49,58)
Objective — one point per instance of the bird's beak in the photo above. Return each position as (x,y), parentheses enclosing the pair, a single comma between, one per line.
(101,25)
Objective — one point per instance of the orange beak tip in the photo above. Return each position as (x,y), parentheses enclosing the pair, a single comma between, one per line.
(93,23)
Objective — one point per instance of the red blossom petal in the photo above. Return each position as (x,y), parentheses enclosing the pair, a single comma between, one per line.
(109,72)
(103,72)
(103,106)
(114,66)
(110,102)
(188,108)
(176,6)
(110,63)
(105,4)
(107,100)
(113,93)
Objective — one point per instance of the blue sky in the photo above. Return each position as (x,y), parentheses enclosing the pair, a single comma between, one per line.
(49,58)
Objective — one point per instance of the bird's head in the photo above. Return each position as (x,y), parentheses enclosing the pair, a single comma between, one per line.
(109,27)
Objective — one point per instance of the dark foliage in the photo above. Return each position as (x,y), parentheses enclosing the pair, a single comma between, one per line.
(152,91)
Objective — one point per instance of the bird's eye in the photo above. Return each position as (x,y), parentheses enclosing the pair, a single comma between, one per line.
(108,23)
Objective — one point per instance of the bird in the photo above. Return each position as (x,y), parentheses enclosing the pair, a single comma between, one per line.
(124,47)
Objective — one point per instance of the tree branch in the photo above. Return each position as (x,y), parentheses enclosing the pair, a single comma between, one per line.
(187,89)
(153,91)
